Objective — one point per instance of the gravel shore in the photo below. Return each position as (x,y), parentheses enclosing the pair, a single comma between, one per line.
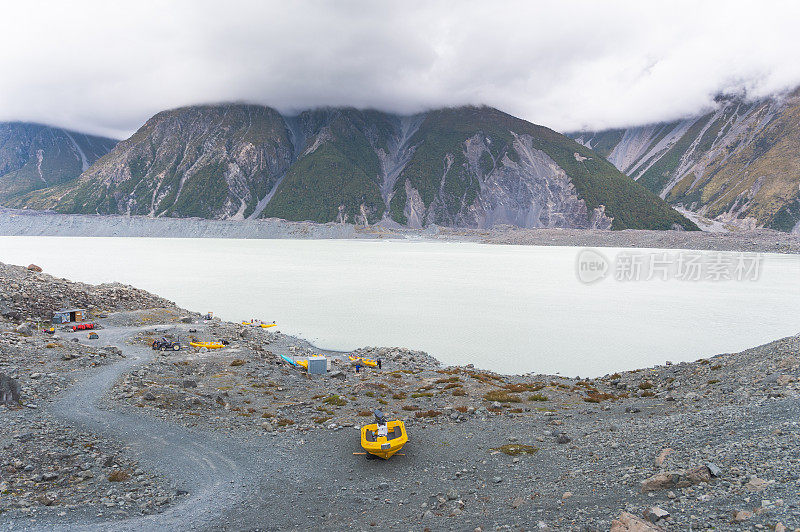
(33,223)
(236,439)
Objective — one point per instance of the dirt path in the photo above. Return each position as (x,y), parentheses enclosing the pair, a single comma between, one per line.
(213,471)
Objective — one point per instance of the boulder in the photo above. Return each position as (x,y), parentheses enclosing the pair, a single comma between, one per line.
(34,268)
(756,484)
(627,522)
(662,456)
(676,479)
(655,514)
(9,390)
(25,329)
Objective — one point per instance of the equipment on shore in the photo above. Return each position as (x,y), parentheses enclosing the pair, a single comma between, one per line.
(92,336)
(207,345)
(83,327)
(364,361)
(383,438)
(165,345)
(289,360)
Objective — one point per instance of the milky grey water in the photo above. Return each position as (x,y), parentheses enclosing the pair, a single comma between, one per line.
(512,309)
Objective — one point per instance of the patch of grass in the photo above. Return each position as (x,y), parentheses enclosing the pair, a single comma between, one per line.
(237,362)
(516,410)
(120,475)
(614,376)
(647,393)
(704,361)
(538,397)
(364,413)
(382,401)
(399,396)
(410,408)
(598,397)
(462,409)
(713,381)
(427,413)
(444,380)
(716,366)
(324,410)
(453,385)
(285,422)
(319,420)
(421,394)
(267,415)
(459,392)
(334,400)
(369,394)
(524,387)
(502,396)
(52,345)
(516,449)
(646,385)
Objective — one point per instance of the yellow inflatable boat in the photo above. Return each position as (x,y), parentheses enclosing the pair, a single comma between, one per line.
(383,438)
(207,345)
(365,361)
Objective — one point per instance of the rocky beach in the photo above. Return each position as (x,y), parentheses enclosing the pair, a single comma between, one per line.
(110,434)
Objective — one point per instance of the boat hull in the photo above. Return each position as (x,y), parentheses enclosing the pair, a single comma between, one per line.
(383,446)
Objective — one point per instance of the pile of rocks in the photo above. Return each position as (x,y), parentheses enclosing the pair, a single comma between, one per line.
(27,294)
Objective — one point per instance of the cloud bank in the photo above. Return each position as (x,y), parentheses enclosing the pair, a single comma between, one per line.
(105,67)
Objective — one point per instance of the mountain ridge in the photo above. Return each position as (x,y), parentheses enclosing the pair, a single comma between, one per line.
(35,156)
(735,164)
(463,166)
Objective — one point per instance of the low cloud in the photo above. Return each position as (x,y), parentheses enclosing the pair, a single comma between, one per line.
(105,67)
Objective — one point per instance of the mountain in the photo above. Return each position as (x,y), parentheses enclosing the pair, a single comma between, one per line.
(464,167)
(739,163)
(35,156)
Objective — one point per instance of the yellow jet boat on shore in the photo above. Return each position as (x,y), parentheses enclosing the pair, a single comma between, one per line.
(260,324)
(207,345)
(365,361)
(383,438)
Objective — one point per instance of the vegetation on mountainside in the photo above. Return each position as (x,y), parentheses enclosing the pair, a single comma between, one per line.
(318,183)
(342,171)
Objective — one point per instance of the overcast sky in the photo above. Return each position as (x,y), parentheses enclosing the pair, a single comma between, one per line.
(106,67)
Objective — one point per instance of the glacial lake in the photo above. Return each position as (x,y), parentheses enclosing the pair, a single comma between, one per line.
(512,309)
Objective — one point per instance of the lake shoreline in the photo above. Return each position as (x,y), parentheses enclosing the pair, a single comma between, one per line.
(35,223)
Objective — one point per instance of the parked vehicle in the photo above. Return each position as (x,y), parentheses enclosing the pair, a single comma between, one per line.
(166,345)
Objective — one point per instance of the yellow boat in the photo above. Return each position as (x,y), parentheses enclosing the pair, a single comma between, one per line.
(260,324)
(207,345)
(384,446)
(365,361)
